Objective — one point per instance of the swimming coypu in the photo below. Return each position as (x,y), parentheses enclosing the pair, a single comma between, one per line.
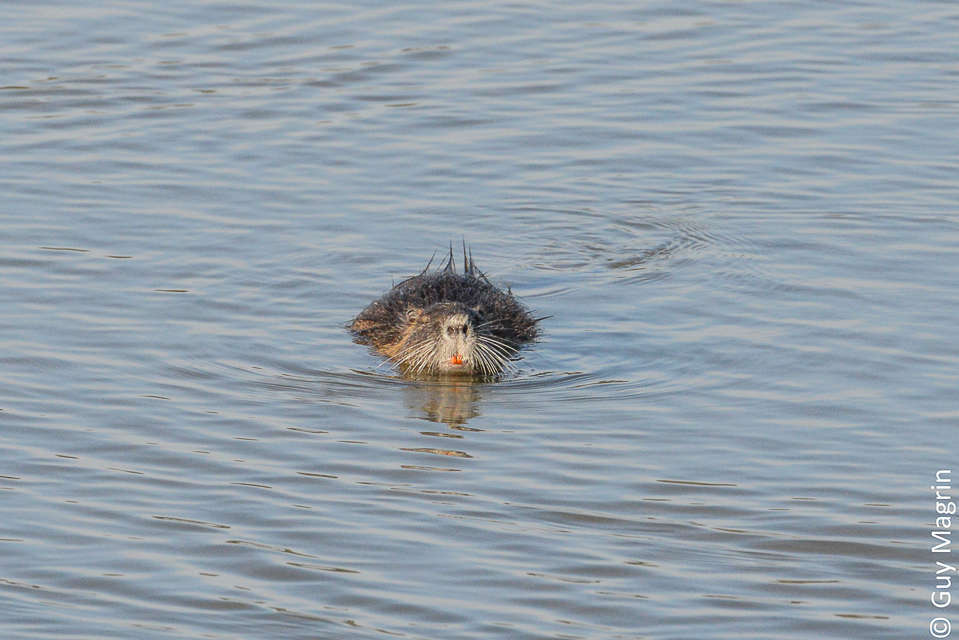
(444,322)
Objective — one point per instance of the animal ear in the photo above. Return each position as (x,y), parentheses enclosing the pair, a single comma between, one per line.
(412,314)
(478,309)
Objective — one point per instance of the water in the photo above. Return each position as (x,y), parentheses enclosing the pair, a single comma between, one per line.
(742,219)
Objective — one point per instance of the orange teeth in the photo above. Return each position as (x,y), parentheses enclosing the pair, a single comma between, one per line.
(457,359)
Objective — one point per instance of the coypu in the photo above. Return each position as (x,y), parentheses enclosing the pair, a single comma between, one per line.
(444,322)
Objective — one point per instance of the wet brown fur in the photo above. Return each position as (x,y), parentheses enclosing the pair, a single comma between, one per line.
(417,307)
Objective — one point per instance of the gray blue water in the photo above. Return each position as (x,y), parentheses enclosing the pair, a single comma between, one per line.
(741,217)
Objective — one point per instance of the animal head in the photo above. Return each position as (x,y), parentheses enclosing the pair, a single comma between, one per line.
(452,338)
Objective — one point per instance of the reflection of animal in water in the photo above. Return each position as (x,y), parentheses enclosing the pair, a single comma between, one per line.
(446,322)
(454,403)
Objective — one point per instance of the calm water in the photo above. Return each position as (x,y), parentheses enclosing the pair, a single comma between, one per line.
(741,217)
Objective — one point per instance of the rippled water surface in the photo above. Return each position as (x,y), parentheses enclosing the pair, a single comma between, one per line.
(741,217)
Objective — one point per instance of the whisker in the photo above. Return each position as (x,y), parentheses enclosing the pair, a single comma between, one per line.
(496,321)
(492,360)
(413,352)
(423,363)
(491,336)
(416,348)
(498,347)
(494,341)
(417,356)
(483,360)
(425,358)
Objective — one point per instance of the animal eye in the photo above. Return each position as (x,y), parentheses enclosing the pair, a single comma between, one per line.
(465,329)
